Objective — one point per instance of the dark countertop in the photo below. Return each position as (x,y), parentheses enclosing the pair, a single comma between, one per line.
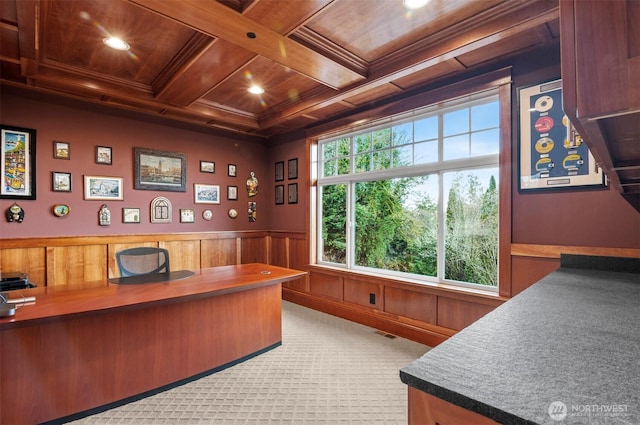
(573,337)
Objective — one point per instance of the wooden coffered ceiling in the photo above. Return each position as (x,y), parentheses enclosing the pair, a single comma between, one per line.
(193,60)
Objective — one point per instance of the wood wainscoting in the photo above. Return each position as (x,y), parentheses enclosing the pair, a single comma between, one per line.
(68,260)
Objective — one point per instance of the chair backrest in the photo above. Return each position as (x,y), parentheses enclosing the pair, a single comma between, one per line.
(142,260)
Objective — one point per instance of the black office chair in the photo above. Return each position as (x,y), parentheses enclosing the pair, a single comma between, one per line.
(142,260)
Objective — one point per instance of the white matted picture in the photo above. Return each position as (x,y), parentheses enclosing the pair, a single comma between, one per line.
(131,215)
(187,216)
(206,193)
(103,188)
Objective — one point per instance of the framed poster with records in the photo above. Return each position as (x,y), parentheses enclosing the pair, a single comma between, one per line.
(552,155)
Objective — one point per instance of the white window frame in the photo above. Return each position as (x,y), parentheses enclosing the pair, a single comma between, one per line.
(435,168)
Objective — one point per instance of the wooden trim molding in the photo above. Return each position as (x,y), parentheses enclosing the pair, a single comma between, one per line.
(554,251)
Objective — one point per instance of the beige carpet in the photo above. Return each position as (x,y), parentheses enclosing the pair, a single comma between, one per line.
(327,371)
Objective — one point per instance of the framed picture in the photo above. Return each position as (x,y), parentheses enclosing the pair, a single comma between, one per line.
(232,193)
(131,215)
(103,155)
(207,167)
(293,168)
(293,193)
(61,182)
(279,171)
(18,163)
(552,153)
(206,193)
(187,216)
(232,170)
(61,150)
(280,194)
(103,188)
(160,170)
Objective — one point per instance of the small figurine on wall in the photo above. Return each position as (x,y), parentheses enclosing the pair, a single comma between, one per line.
(252,185)
(104,215)
(15,213)
(252,212)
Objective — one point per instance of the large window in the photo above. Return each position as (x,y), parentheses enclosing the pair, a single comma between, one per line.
(416,196)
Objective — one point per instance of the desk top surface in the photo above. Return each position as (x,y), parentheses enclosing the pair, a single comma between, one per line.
(92,297)
(572,340)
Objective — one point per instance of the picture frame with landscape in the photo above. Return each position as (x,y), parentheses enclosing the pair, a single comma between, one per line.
(160,170)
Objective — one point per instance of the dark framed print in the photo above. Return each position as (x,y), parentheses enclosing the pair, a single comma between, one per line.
(206,193)
(279,171)
(103,188)
(293,168)
(552,153)
(232,170)
(293,193)
(232,193)
(18,163)
(61,150)
(207,167)
(131,215)
(61,182)
(103,155)
(160,170)
(279,194)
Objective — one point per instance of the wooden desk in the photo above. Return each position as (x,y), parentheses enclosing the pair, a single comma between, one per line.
(80,349)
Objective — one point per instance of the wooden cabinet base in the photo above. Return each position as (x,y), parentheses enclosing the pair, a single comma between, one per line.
(56,367)
(425,409)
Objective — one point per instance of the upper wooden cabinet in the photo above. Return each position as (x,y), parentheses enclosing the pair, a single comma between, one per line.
(600,45)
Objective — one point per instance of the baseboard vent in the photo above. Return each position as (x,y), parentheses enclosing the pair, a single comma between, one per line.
(384,334)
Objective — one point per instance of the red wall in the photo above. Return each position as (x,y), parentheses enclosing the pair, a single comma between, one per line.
(87,127)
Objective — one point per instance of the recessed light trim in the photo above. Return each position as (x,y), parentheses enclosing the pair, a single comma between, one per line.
(116,43)
(255,89)
(414,4)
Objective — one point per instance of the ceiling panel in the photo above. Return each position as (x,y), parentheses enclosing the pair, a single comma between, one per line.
(192,60)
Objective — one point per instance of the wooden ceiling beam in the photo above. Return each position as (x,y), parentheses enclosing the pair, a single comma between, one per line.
(217,20)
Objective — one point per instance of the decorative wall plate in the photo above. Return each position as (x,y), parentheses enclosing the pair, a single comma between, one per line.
(207,214)
(233,213)
(60,210)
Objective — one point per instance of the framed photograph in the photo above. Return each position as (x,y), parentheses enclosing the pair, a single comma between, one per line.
(293,193)
(293,168)
(61,150)
(552,153)
(103,155)
(232,170)
(206,193)
(61,182)
(160,170)
(187,216)
(103,188)
(18,163)
(280,194)
(207,167)
(232,193)
(279,172)
(131,215)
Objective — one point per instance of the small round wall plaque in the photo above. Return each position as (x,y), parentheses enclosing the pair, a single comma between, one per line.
(233,213)
(61,210)
(207,215)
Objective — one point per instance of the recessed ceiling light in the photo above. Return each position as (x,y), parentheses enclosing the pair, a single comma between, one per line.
(255,89)
(414,4)
(116,43)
